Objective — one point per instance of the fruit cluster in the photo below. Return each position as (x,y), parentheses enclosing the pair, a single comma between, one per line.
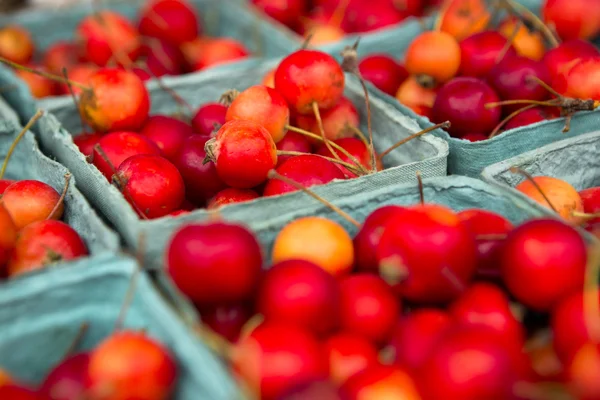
(423,303)
(484,80)
(168,40)
(327,21)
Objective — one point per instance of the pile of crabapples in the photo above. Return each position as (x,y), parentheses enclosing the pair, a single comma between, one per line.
(328,21)
(484,80)
(423,303)
(168,40)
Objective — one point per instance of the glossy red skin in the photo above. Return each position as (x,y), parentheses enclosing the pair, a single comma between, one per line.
(480,51)
(336,121)
(475,137)
(368,307)
(293,141)
(371,16)
(356,147)
(380,382)
(164,58)
(44,242)
(485,305)
(168,133)
(416,335)
(275,358)
(558,58)
(584,373)
(244,153)
(219,51)
(462,102)
(349,354)
(580,81)
(509,78)
(85,142)
(201,180)
(16,392)
(152,185)
(174,21)
(207,116)
(231,196)
(573,19)
(367,238)
(300,293)
(4,183)
(140,359)
(118,101)
(309,76)
(80,73)
(104,31)
(287,12)
(489,251)
(66,381)
(527,117)
(28,201)
(119,146)
(215,263)
(61,54)
(308,170)
(488,368)
(8,237)
(383,71)
(431,249)
(591,203)
(226,320)
(569,328)
(543,262)
(263,105)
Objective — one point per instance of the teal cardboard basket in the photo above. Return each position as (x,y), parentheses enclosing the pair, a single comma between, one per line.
(40,317)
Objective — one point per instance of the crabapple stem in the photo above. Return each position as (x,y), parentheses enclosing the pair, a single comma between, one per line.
(28,126)
(359,133)
(272,174)
(228,97)
(62,196)
(510,41)
(421,190)
(512,102)
(338,14)
(523,12)
(83,328)
(443,125)
(117,178)
(129,294)
(317,113)
(527,175)
(306,41)
(393,270)
(509,117)
(72,93)
(544,85)
(47,75)
(585,216)
(333,144)
(591,308)
(351,167)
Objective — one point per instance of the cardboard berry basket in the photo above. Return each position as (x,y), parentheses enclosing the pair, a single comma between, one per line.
(40,318)
(426,154)
(28,162)
(573,160)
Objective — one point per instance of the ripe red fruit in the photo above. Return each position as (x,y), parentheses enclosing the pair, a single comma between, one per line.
(308,170)
(226,320)
(168,133)
(565,54)
(349,354)
(80,73)
(591,203)
(174,21)
(584,372)
(42,243)
(577,19)
(4,183)
(462,102)
(215,263)
(231,196)
(274,358)
(542,275)
(481,52)
(210,52)
(85,142)
(355,147)
(569,328)
(287,12)
(381,382)
(163,58)
(322,389)
(61,54)
(16,44)
(118,100)
(475,137)
(29,201)
(416,335)
(119,146)
(531,116)
(209,118)
(384,72)
(8,236)
(66,381)
(368,307)
(133,366)
(106,36)
(16,392)
(367,238)
(427,253)
(201,180)
(39,86)
(262,105)
(310,76)
(300,293)
(293,141)
(580,81)
(151,184)
(489,250)
(337,121)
